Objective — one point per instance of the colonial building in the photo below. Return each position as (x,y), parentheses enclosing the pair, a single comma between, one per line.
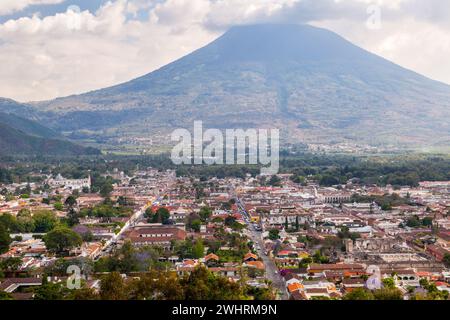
(156,235)
(71,184)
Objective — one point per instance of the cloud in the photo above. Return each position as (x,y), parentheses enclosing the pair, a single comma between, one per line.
(73,52)
(11,6)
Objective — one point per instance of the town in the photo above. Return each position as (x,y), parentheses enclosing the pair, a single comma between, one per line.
(156,234)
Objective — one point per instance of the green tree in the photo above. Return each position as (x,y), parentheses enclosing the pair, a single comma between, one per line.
(5,296)
(62,239)
(162,215)
(359,294)
(205,213)
(389,283)
(196,225)
(305,262)
(388,294)
(198,250)
(274,234)
(73,217)
(413,222)
(446,260)
(44,221)
(201,284)
(71,201)
(106,189)
(10,264)
(51,291)
(113,287)
(427,221)
(275,181)
(5,239)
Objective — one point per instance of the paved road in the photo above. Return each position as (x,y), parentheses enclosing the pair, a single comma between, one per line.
(271,269)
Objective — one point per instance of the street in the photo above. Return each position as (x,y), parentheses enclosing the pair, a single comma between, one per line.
(272,273)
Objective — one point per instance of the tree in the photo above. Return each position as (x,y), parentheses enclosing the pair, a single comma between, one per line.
(427,221)
(201,284)
(275,181)
(389,283)
(198,250)
(5,239)
(359,294)
(124,201)
(62,239)
(413,222)
(196,225)
(162,215)
(205,213)
(83,294)
(10,264)
(305,262)
(127,258)
(72,217)
(388,294)
(70,201)
(106,189)
(318,257)
(112,287)
(230,221)
(274,234)
(51,291)
(446,260)
(58,206)
(24,223)
(5,296)
(44,221)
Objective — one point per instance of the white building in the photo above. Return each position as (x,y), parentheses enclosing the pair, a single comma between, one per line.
(71,184)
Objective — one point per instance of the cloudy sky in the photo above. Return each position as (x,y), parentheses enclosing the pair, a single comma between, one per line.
(52,48)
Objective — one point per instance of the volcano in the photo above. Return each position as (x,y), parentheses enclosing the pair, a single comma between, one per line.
(311,83)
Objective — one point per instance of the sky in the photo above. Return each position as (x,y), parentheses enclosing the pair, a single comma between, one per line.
(55,48)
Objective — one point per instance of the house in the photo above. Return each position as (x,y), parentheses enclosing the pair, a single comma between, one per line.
(298,272)
(254,264)
(296,286)
(291,278)
(12,284)
(230,272)
(250,257)
(437,252)
(319,289)
(156,235)
(351,284)
(211,260)
(321,268)
(70,184)
(186,266)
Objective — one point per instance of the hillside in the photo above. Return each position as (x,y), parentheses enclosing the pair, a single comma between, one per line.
(27,126)
(19,136)
(309,82)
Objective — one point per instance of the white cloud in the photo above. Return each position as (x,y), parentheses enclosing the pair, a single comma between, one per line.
(74,52)
(11,6)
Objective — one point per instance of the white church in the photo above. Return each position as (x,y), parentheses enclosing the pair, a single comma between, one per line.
(71,184)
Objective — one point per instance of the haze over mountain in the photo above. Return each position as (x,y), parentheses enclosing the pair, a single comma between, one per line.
(311,83)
